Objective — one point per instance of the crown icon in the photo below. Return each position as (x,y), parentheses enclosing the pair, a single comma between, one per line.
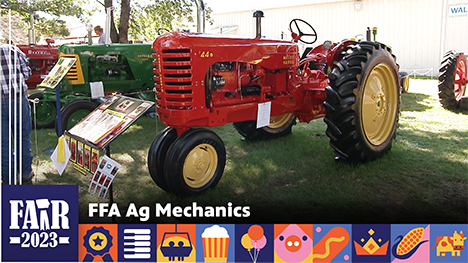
(371,247)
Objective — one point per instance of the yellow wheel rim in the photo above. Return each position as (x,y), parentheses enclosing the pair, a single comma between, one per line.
(200,165)
(278,121)
(379,104)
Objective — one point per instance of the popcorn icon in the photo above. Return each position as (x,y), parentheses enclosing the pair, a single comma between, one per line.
(215,244)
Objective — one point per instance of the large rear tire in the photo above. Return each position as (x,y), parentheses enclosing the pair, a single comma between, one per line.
(157,155)
(280,125)
(452,79)
(74,112)
(363,102)
(195,162)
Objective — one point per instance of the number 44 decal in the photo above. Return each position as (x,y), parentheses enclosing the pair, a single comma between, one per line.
(206,54)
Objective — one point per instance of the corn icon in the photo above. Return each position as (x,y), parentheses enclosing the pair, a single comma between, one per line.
(408,244)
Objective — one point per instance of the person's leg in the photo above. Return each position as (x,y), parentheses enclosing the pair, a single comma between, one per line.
(25,136)
(6,149)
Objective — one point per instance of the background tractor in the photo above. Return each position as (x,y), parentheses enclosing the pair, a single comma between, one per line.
(42,59)
(453,80)
(122,68)
(205,80)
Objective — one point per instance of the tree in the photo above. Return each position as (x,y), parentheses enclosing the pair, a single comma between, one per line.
(143,20)
(46,14)
(19,34)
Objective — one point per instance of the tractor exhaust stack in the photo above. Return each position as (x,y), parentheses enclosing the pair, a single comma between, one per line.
(32,35)
(258,15)
(200,16)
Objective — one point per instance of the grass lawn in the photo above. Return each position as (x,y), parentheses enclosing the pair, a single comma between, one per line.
(295,179)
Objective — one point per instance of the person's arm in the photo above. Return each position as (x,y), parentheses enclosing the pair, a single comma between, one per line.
(24,64)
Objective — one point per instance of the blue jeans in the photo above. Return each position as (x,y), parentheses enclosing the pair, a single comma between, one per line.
(22,138)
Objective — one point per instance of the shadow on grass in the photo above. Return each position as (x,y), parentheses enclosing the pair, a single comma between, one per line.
(295,179)
(415,101)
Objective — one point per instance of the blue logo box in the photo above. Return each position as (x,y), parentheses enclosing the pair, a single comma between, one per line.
(39,223)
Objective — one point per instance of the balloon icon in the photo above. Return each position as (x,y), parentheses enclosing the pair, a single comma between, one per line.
(259,244)
(246,242)
(255,232)
(254,238)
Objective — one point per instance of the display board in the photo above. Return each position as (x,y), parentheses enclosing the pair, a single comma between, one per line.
(95,132)
(58,72)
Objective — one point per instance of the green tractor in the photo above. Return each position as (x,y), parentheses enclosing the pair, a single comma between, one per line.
(120,68)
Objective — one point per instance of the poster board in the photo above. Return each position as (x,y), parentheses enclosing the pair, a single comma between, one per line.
(57,73)
(88,138)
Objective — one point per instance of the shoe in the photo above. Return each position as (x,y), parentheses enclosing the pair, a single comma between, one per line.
(29,177)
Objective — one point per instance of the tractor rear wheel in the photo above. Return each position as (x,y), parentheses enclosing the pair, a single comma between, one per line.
(74,112)
(45,111)
(452,79)
(195,162)
(363,102)
(157,155)
(280,125)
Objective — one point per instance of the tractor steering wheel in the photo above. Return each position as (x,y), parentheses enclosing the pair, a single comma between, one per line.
(163,30)
(297,36)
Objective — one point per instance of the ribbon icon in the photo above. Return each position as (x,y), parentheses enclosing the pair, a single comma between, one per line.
(98,242)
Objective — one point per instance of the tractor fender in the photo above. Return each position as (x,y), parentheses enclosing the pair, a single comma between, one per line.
(337,52)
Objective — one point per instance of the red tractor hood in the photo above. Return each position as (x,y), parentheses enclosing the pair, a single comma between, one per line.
(271,54)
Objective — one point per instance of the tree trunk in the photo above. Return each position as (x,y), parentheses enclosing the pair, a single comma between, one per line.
(113,34)
(124,18)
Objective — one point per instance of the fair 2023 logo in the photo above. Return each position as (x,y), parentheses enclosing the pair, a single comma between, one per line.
(40,222)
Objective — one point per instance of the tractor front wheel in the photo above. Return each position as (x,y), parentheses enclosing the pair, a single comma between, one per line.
(157,155)
(195,162)
(280,125)
(363,102)
(44,115)
(74,112)
(452,79)
(404,82)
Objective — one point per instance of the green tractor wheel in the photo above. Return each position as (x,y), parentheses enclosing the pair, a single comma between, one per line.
(195,162)
(280,125)
(46,111)
(363,103)
(74,112)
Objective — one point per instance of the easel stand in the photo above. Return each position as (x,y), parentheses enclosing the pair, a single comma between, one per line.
(87,140)
(111,191)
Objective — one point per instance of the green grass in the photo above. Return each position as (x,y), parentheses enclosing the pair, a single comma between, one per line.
(295,179)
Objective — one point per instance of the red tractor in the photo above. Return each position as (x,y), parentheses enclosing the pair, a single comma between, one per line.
(42,59)
(453,80)
(206,80)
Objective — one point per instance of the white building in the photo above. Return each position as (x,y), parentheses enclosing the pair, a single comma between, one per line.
(419,31)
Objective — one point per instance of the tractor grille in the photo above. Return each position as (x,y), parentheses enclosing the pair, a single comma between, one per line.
(173,79)
(75,74)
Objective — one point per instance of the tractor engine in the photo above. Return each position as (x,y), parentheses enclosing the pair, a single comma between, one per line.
(203,80)
(228,83)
